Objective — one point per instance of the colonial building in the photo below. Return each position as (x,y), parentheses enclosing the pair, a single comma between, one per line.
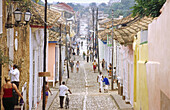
(23,44)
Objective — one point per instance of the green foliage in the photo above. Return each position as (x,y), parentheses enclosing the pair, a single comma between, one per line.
(39,2)
(147,8)
(122,8)
(76,7)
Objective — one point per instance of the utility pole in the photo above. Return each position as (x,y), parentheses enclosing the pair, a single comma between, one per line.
(93,30)
(97,42)
(67,51)
(45,43)
(60,77)
(112,52)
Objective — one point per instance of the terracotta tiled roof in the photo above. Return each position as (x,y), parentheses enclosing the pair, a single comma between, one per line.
(53,36)
(38,15)
(124,34)
(125,20)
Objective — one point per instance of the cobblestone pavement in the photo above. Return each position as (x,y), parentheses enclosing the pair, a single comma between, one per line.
(85,94)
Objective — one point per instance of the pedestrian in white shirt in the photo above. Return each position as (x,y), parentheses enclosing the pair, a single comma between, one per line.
(14,75)
(62,92)
(99,80)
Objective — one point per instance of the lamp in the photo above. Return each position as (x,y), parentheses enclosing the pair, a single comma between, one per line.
(18,17)
(27,16)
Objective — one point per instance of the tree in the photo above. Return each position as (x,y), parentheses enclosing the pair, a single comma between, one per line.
(93,4)
(147,8)
(102,6)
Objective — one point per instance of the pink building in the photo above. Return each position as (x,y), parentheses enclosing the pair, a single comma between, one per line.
(158,72)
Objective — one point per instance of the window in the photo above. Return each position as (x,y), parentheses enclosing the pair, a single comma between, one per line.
(0,16)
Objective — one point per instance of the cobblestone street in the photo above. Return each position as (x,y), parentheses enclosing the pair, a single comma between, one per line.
(85,94)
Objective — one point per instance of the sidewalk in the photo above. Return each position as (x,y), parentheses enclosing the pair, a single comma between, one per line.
(55,91)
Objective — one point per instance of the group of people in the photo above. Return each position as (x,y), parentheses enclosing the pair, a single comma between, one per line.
(89,55)
(72,66)
(103,82)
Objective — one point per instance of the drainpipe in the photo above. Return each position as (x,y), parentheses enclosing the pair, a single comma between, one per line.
(33,107)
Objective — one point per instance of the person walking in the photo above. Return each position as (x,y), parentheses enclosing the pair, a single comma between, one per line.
(71,65)
(78,50)
(91,55)
(96,54)
(7,94)
(84,54)
(103,63)
(110,70)
(106,84)
(99,80)
(47,89)
(62,91)
(87,55)
(74,55)
(94,65)
(14,75)
(77,66)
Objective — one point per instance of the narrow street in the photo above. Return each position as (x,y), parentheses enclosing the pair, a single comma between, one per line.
(85,94)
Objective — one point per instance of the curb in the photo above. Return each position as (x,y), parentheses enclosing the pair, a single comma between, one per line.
(115,101)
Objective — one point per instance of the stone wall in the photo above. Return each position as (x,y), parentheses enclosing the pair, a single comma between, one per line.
(21,55)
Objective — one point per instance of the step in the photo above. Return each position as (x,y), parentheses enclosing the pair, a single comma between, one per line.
(121,103)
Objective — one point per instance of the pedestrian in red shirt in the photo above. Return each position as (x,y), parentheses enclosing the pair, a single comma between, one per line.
(7,94)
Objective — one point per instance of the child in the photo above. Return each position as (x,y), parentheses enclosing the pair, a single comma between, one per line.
(106,84)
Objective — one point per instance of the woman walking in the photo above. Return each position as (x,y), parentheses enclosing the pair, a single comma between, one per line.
(103,63)
(7,94)
(77,66)
(94,65)
(46,92)
(71,65)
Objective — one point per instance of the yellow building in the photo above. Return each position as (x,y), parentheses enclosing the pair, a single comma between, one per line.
(140,47)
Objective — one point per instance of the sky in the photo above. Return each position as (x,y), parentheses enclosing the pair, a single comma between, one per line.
(78,1)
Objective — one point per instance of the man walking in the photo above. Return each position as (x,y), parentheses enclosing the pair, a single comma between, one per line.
(62,91)
(14,75)
(99,80)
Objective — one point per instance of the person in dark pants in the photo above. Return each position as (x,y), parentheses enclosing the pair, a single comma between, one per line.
(62,92)
(88,55)
(14,74)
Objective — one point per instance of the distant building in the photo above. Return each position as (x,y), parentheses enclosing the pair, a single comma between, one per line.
(65,10)
(102,16)
(113,1)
